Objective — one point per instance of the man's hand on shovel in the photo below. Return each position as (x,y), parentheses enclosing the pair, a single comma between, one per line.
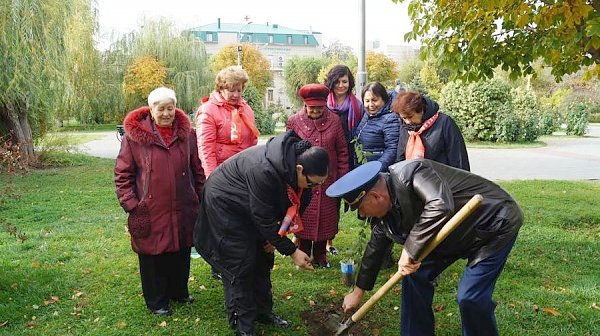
(407,265)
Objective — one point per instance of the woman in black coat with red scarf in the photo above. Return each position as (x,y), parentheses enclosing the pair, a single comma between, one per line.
(425,132)
(250,203)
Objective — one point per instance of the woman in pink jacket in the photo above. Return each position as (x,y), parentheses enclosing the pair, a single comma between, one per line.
(321,127)
(225,123)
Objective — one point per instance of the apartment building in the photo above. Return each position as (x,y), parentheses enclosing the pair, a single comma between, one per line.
(277,44)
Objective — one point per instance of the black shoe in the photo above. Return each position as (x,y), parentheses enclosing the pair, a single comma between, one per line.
(187,299)
(333,250)
(217,276)
(242,333)
(273,319)
(323,264)
(162,311)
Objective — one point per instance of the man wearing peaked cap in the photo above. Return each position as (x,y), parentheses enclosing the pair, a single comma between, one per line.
(414,200)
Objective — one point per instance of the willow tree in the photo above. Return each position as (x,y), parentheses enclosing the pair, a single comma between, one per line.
(184,57)
(32,59)
(84,97)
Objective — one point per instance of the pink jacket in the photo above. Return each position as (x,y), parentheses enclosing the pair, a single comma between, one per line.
(213,130)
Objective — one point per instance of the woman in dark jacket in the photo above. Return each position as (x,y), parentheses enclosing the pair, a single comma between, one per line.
(377,132)
(427,133)
(248,203)
(159,182)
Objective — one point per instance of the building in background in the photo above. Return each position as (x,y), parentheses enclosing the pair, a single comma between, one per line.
(397,52)
(276,43)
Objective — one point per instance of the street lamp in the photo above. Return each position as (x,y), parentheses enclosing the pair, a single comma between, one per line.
(239,38)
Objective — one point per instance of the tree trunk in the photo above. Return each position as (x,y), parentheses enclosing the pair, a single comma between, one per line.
(17,125)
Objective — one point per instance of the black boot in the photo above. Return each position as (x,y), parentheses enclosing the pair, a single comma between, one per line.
(273,319)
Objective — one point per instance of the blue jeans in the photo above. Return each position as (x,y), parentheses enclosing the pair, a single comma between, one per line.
(474,296)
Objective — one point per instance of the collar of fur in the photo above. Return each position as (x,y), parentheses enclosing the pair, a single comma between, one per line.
(138,126)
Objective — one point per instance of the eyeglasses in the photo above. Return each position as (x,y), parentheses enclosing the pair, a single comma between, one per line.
(311,184)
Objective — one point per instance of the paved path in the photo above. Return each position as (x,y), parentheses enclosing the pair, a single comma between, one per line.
(564,158)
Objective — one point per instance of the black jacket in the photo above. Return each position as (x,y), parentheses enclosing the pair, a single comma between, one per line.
(425,195)
(243,201)
(443,141)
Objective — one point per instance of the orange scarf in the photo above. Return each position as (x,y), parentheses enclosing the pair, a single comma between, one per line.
(414,147)
(237,118)
(292,222)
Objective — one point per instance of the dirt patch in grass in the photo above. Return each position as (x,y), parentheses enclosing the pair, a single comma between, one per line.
(316,318)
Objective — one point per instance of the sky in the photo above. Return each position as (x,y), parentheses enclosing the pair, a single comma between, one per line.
(334,19)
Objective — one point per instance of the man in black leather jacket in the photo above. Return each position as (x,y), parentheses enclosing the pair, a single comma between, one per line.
(414,200)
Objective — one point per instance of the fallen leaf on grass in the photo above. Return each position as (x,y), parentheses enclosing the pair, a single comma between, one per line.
(397,289)
(4,324)
(595,306)
(536,308)
(53,299)
(122,324)
(96,319)
(202,287)
(396,307)
(76,295)
(312,303)
(333,292)
(162,324)
(287,295)
(30,324)
(572,316)
(36,307)
(551,311)
(438,307)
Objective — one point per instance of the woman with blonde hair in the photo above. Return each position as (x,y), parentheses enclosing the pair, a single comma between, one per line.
(225,122)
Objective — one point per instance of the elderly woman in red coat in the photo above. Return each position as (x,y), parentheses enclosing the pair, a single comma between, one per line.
(321,127)
(159,182)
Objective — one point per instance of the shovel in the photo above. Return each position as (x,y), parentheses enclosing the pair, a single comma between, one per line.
(332,323)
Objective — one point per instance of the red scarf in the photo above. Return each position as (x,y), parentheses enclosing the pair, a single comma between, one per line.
(414,147)
(292,222)
(166,132)
(237,118)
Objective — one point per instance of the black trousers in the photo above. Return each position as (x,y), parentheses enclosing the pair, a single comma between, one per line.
(164,277)
(249,294)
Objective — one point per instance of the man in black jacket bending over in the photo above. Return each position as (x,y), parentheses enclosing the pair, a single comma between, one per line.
(415,199)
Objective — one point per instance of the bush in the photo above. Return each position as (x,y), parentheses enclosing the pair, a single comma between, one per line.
(527,110)
(508,129)
(264,121)
(549,121)
(595,118)
(577,116)
(474,106)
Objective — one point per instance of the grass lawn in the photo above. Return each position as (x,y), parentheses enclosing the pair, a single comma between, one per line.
(66,266)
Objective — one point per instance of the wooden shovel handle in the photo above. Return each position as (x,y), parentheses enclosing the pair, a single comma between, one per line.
(452,224)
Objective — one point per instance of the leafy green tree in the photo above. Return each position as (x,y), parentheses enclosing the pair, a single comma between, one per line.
(475,37)
(407,71)
(300,71)
(339,51)
(380,68)
(33,62)
(431,80)
(251,59)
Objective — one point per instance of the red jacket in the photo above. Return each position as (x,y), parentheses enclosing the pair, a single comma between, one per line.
(170,176)
(213,129)
(321,217)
